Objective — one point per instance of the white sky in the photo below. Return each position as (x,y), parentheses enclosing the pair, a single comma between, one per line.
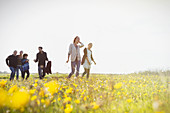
(127,35)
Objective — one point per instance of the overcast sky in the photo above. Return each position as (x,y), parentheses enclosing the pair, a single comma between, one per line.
(127,35)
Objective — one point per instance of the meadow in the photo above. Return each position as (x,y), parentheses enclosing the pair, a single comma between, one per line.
(131,93)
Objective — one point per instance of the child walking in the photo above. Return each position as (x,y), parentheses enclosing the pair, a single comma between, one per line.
(25,66)
(86,61)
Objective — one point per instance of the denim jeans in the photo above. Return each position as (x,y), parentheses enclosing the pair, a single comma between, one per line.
(18,68)
(23,74)
(13,70)
(41,72)
(75,64)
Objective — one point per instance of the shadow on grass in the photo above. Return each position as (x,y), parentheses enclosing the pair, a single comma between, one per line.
(4,77)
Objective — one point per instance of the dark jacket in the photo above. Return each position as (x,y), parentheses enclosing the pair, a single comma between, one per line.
(85,55)
(19,60)
(48,68)
(41,58)
(12,61)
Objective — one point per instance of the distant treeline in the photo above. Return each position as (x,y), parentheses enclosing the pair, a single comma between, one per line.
(4,72)
(159,72)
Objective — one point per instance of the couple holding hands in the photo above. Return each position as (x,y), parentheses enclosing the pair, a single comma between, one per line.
(74,52)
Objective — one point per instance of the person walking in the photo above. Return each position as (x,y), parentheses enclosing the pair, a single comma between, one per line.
(25,66)
(19,57)
(74,52)
(11,61)
(86,60)
(41,58)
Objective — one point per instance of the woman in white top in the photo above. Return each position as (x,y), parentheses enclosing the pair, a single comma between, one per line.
(74,51)
(86,61)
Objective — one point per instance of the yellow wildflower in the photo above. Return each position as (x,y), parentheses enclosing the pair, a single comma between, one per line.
(69,90)
(129,100)
(35,85)
(68,109)
(33,98)
(47,102)
(67,99)
(36,80)
(77,101)
(41,93)
(54,101)
(3,83)
(95,106)
(13,89)
(32,91)
(118,85)
(42,101)
(85,98)
(3,97)
(59,99)
(19,99)
(52,87)
(38,102)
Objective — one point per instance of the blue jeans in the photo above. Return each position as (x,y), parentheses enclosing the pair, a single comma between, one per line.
(18,68)
(41,72)
(73,65)
(23,74)
(13,70)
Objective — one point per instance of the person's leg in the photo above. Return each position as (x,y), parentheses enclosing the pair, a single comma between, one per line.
(88,73)
(23,75)
(20,68)
(78,67)
(84,72)
(28,74)
(17,72)
(12,73)
(73,64)
(40,72)
(43,72)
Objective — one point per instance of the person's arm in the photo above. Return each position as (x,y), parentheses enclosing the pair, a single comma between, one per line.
(69,53)
(81,45)
(27,61)
(85,52)
(68,58)
(88,60)
(36,60)
(46,57)
(94,62)
(23,62)
(93,59)
(7,59)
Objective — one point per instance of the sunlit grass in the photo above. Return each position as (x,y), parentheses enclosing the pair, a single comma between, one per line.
(101,93)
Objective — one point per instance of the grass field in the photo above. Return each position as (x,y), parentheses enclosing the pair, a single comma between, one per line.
(132,93)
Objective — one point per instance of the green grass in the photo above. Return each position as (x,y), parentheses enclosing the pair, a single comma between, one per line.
(101,93)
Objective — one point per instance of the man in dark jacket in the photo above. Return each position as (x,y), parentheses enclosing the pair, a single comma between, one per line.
(41,58)
(11,61)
